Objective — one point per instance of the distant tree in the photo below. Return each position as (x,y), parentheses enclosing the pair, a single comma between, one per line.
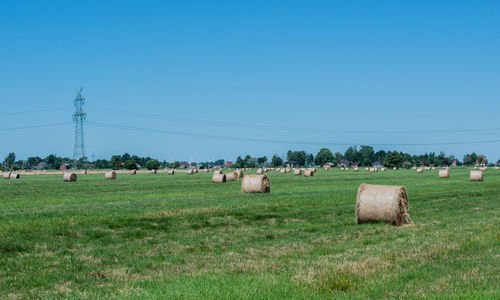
(33,161)
(393,159)
(9,160)
(130,165)
(366,154)
(276,161)
(338,157)
(153,164)
(53,162)
(352,154)
(407,164)
(262,160)
(125,157)
(193,164)
(116,162)
(176,164)
(219,162)
(240,163)
(324,155)
(251,163)
(309,159)
(101,164)
(380,156)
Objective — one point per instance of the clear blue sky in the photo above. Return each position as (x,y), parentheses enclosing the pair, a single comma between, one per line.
(269,75)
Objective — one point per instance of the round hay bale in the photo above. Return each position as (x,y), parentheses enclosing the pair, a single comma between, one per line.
(260,171)
(383,169)
(84,172)
(240,173)
(444,173)
(133,172)
(283,171)
(6,175)
(232,176)
(190,172)
(297,172)
(483,169)
(342,169)
(288,170)
(496,168)
(218,178)
(414,168)
(308,173)
(394,168)
(69,177)
(255,183)
(205,170)
(14,176)
(374,170)
(420,170)
(382,203)
(356,169)
(433,168)
(218,171)
(154,171)
(196,170)
(476,175)
(170,172)
(367,169)
(110,175)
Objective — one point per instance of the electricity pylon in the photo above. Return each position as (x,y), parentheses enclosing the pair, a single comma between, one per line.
(78,117)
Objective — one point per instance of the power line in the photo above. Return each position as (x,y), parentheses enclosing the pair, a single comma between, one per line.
(234,138)
(35,126)
(264,126)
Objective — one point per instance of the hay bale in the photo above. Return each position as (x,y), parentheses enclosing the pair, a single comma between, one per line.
(283,171)
(394,168)
(154,171)
(355,169)
(170,172)
(297,172)
(382,203)
(476,175)
(367,169)
(133,172)
(374,170)
(84,172)
(483,169)
(69,177)
(232,176)
(383,169)
(110,175)
(433,168)
(420,170)
(240,173)
(308,173)
(196,170)
(218,171)
(218,178)
(14,176)
(342,169)
(190,172)
(255,184)
(414,168)
(260,171)
(6,175)
(444,173)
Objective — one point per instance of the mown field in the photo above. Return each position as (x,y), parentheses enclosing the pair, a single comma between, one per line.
(167,237)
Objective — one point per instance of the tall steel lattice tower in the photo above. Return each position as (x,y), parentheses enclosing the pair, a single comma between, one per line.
(78,117)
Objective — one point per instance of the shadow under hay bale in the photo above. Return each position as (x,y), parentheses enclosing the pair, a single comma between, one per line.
(476,175)
(110,175)
(382,203)
(69,177)
(255,183)
(218,178)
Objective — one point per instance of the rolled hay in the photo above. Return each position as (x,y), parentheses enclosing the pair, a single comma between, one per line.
(171,172)
(433,168)
(283,171)
(190,172)
(240,173)
(382,203)
(355,169)
(483,169)
(14,176)
(154,171)
(218,178)
(367,169)
(476,175)
(196,170)
(394,168)
(255,184)
(232,176)
(414,168)
(374,170)
(260,171)
(6,175)
(288,170)
(133,172)
(297,172)
(496,168)
(69,177)
(218,172)
(84,172)
(383,169)
(308,173)
(420,170)
(110,175)
(342,169)
(444,173)
(205,170)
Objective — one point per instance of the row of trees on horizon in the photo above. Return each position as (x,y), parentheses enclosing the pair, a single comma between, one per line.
(364,156)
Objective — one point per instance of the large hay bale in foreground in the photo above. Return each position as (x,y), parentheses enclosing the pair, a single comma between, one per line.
(232,176)
(69,177)
(218,178)
(171,172)
(308,173)
(444,173)
(382,203)
(297,172)
(255,183)
(133,172)
(110,175)
(6,175)
(476,175)
(14,176)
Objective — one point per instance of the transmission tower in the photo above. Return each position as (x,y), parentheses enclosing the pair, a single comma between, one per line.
(78,117)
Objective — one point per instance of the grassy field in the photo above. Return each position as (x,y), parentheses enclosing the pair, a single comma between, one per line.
(159,236)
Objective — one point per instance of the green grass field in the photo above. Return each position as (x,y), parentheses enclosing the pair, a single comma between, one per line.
(168,237)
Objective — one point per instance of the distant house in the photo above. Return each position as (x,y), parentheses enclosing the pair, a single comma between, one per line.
(41,166)
(64,167)
(344,163)
(228,164)
(377,163)
(328,165)
(184,165)
(290,164)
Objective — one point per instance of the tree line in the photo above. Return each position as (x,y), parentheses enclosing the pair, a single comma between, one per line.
(364,156)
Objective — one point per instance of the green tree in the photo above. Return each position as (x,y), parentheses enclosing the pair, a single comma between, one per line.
(176,164)
(262,160)
(116,162)
(324,155)
(130,165)
(393,159)
(276,161)
(153,164)
(101,164)
(9,160)
(309,159)
(239,162)
(125,157)
(366,154)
